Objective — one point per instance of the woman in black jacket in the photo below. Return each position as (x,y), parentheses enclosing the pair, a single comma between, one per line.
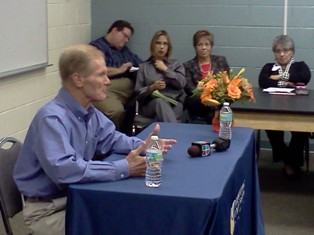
(286,72)
(197,68)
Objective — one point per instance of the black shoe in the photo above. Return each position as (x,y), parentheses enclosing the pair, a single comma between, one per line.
(296,175)
(277,158)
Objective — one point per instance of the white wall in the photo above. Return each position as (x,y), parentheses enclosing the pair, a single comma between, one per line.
(69,22)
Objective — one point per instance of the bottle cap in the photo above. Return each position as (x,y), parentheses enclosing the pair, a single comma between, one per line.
(154,137)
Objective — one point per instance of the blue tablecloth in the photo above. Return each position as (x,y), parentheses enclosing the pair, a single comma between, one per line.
(215,195)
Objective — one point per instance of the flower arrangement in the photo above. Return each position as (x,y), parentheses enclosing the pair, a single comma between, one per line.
(215,89)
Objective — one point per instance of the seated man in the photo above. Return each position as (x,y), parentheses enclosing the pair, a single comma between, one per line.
(69,140)
(119,60)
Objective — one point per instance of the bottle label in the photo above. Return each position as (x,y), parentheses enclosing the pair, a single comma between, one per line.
(153,154)
(226,117)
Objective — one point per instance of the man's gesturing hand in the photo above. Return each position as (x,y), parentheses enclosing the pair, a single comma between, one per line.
(137,163)
(166,144)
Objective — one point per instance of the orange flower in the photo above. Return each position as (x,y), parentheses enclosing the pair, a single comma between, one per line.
(210,102)
(210,85)
(236,81)
(205,95)
(225,77)
(234,91)
(208,88)
(251,94)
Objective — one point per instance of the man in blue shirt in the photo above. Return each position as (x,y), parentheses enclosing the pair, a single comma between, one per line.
(68,141)
(119,60)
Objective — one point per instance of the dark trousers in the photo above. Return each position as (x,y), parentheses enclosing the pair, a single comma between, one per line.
(293,154)
(197,109)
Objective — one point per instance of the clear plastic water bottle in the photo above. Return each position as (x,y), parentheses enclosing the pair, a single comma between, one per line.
(153,162)
(225,121)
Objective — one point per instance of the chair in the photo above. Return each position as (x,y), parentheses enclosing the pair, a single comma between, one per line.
(307,152)
(140,122)
(11,201)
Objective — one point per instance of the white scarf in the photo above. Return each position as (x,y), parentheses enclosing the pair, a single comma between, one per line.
(285,74)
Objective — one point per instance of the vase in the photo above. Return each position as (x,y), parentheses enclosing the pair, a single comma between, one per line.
(215,120)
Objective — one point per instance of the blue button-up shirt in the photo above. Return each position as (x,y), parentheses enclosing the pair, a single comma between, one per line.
(60,145)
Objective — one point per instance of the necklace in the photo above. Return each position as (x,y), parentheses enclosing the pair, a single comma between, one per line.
(205,68)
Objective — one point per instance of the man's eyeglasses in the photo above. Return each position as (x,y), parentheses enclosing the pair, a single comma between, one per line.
(284,51)
(126,35)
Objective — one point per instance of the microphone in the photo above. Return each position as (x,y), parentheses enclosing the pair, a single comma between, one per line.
(220,144)
(199,148)
(203,148)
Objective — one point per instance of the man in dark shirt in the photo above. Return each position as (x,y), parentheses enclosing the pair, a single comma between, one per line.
(120,102)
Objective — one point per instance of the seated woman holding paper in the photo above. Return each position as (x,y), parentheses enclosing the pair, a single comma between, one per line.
(197,68)
(160,82)
(286,72)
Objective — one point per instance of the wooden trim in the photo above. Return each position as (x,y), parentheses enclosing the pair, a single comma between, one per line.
(274,121)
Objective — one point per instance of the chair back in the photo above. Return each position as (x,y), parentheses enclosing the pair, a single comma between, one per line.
(10,197)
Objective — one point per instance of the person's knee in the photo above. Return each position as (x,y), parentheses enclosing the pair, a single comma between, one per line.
(112,110)
(53,224)
(160,103)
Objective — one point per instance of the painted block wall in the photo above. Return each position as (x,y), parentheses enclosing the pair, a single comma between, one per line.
(243,29)
(69,22)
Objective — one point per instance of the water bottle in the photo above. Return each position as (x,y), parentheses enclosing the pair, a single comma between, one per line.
(225,121)
(153,162)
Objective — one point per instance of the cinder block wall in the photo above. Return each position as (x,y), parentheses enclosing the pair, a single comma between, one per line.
(243,29)
(69,22)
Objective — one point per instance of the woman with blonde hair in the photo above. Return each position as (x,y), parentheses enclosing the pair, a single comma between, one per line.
(164,74)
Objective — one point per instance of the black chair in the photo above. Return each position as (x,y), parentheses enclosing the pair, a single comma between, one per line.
(140,122)
(307,152)
(11,201)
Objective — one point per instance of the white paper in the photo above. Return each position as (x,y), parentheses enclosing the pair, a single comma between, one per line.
(278,90)
(132,69)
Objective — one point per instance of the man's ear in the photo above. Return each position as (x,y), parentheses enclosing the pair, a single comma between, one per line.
(77,80)
(115,30)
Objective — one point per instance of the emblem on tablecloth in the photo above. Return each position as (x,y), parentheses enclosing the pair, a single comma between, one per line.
(236,207)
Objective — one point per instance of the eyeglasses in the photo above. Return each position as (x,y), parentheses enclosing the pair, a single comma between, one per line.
(284,51)
(126,35)
(203,45)
(161,43)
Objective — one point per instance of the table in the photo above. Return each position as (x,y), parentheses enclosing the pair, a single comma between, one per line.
(276,112)
(197,196)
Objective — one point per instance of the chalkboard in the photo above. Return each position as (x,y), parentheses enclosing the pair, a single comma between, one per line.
(23,36)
